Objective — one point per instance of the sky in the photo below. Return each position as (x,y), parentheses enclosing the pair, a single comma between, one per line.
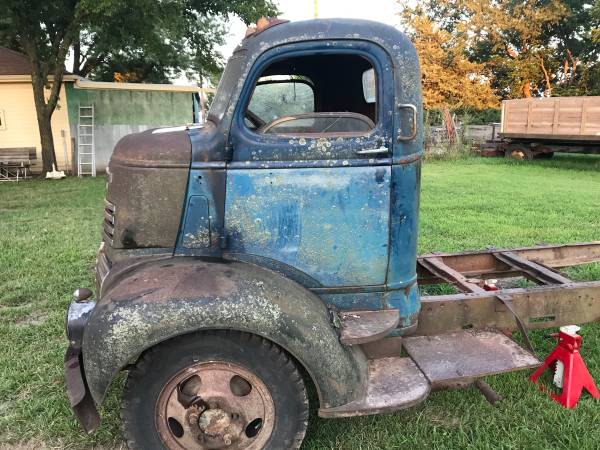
(385,11)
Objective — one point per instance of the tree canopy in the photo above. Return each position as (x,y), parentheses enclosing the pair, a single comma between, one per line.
(524,48)
(141,40)
(449,79)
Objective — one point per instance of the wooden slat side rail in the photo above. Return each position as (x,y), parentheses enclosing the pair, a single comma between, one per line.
(582,125)
(436,266)
(570,118)
(532,270)
(529,116)
(556,115)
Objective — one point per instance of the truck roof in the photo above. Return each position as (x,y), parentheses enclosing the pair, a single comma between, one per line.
(314,29)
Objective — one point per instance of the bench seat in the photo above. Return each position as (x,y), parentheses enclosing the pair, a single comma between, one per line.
(15,162)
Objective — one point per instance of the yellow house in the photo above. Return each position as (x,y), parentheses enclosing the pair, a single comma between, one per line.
(18,120)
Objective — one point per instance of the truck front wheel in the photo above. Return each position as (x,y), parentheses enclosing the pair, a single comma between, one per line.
(213,390)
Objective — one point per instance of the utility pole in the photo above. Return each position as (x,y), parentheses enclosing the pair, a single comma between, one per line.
(316,8)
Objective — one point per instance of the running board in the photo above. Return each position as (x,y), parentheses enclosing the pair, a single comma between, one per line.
(434,362)
(394,383)
(461,357)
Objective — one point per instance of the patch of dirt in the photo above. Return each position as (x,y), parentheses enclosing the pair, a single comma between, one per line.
(444,421)
(34,318)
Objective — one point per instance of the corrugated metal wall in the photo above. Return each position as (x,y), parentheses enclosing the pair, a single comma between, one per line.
(121,112)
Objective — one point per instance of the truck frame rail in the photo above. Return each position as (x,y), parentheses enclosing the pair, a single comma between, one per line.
(555,301)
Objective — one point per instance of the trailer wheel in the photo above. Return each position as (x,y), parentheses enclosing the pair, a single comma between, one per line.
(213,390)
(521,153)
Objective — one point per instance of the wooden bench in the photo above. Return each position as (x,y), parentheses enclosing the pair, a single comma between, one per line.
(15,162)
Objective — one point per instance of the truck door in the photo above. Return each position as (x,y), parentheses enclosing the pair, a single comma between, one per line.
(308,187)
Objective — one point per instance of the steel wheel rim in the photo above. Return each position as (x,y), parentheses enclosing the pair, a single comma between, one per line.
(213,405)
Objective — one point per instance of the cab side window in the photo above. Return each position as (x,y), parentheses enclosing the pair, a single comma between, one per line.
(316,95)
(279,96)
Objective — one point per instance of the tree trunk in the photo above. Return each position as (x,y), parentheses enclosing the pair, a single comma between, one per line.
(76,57)
(44,118)
(546,79)
(33,38)
(47,141)
(527,89)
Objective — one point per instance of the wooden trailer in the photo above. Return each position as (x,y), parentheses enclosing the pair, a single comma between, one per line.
(538,127)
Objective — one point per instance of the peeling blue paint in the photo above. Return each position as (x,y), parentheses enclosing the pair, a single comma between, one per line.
(196,227)
(331,223)
(404,225)
(311,208)
(355,301)
(407,301)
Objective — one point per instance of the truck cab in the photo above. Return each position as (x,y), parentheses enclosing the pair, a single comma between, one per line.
(235,253)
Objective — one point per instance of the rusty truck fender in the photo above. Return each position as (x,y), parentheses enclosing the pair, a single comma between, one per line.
(165,298)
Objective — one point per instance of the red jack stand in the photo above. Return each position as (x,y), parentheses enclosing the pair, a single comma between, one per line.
(572,374)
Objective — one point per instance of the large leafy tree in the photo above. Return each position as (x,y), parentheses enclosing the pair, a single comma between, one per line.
(571,41)
(523,43)
(145,39)
(585,78)
(151,41)
(449,79)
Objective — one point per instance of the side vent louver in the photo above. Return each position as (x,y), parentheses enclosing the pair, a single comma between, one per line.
(109,222)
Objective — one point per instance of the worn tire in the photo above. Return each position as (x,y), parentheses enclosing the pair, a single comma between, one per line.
(266,360)
(527,153)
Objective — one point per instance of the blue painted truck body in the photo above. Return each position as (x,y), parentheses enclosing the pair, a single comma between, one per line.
(340,223)
(220,226)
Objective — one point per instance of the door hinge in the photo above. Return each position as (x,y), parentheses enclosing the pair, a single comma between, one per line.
(228,152)
(223,242)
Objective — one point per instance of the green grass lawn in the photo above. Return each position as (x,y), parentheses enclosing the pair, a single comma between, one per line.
(49,233)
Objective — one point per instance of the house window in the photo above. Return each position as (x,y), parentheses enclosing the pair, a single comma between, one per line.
(2,120)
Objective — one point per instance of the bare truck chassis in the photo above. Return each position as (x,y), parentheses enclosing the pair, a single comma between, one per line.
(458,340)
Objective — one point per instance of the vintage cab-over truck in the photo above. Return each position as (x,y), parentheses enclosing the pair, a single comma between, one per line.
(275,246)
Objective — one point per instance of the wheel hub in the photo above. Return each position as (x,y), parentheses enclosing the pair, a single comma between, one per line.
(214,422)
(215,405)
